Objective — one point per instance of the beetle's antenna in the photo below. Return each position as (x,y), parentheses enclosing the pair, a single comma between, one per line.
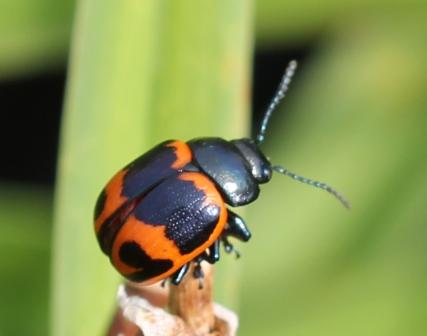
(313,183)
(279,95)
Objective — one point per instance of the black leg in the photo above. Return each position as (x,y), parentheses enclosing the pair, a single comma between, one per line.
(177,277)
(198,272)
(213,255)
(228,247)
(236,227)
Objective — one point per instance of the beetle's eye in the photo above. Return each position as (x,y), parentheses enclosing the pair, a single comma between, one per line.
(267,172)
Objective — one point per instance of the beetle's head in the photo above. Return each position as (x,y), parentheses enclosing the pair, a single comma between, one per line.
(260,166)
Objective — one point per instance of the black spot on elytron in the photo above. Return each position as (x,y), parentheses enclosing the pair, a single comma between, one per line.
(109,229)
(108,232)
(100,203)
(179,205)
(131,254)
(148,170)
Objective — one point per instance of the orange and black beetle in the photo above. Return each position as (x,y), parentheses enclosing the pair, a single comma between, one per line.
(168,207)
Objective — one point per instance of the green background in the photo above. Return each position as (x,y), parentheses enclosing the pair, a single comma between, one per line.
(355,117)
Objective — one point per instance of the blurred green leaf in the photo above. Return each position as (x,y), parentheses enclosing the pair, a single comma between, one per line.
(140,72)
(356,119)
(303,22)
(25,216)
(34,34)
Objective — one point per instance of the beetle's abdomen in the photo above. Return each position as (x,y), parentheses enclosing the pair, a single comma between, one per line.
(171,225)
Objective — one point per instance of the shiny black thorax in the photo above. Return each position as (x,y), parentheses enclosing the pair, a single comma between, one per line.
(237,167)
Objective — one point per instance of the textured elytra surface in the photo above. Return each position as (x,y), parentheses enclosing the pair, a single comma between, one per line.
(142,174)
(149,169)
(187,213)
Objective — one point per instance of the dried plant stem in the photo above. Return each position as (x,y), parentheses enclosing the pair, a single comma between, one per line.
(196,307)
(141,313)
(192,311)
(122,326)
(194,304)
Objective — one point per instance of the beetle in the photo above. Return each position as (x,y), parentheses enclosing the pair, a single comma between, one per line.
(168,208)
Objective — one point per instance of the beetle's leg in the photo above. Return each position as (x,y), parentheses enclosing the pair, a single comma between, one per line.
(236,227)
(198,272)
(213,256)
(214,252)
(177,277)
(228,247)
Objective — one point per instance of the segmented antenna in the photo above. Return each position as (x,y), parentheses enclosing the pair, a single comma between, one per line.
(313,183)
(279,95)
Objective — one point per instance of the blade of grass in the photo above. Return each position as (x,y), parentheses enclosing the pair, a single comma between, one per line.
(139,73)
(356,118)
(24,258)
(202,86)
(103,128)
(34,35)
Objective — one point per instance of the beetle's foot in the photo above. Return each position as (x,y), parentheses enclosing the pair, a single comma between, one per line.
(177,277)
(229,248)
(211,255)
(198,273)
(163,283)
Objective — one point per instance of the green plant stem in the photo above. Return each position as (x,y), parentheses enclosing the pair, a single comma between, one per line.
(139,72)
